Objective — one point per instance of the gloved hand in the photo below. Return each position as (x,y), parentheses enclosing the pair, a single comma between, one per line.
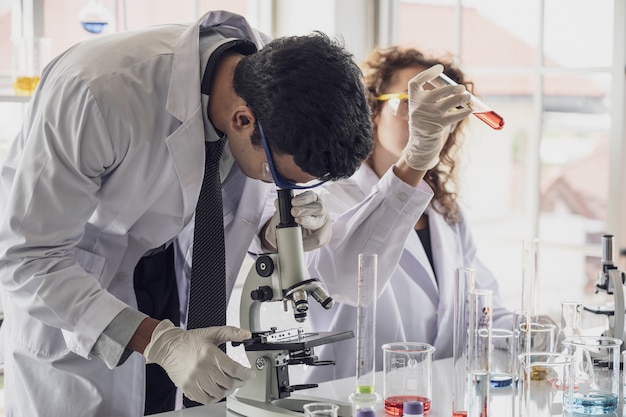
(309,212)
(195,363)
(430,111)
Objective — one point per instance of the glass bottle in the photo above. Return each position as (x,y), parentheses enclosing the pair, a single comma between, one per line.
(570,320)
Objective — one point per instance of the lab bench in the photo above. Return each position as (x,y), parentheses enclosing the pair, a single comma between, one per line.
(339,390)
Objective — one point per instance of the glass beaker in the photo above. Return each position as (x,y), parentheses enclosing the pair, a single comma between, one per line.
(545,380)
(407,375)
(321,410)
(597,370)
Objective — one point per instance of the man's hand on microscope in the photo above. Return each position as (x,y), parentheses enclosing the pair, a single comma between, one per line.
(194,361)
(310,212)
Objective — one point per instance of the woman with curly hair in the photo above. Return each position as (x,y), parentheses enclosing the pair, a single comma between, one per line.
(407,192)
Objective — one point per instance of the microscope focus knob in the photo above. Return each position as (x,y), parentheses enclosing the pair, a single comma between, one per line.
(264,266)
(261,294)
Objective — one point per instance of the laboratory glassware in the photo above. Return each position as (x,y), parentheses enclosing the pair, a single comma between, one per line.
(366,323)
(464,283)
(623,374)
(479,108)
(538,337)
(413,409)
(501,358)
(363,403)
(365,413)
(478,377)
(597,370)
(320,409)
(30,56)
(546,379)
(365,396)
(521,320)
(407,375)
(570,320)
(530,276)
(94,17)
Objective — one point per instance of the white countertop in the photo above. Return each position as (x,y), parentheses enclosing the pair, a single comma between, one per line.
(501,402)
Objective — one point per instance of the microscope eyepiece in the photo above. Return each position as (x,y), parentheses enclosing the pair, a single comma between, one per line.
(284,208)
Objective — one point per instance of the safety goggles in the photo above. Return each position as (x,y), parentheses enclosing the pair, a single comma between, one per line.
(279,180)
(398,104)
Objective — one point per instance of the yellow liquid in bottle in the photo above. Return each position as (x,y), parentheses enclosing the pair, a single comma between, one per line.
(25,86)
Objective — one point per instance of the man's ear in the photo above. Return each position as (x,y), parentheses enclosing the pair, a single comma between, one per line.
(243,118)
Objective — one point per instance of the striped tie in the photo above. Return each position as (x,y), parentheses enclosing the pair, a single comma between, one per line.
(207,295)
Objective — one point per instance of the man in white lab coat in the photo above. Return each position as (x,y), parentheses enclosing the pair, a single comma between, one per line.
(107,170)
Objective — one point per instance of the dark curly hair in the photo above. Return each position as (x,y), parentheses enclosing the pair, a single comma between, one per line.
(308,94)
(378,70)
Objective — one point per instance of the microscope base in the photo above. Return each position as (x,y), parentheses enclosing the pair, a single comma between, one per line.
(292,406)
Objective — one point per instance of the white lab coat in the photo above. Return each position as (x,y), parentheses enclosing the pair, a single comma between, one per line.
(409,306)
(108,165)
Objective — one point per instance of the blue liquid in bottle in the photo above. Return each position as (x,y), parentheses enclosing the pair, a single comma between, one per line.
(94,27)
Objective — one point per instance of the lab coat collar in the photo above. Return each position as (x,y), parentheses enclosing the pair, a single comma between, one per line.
(183,96)
(230,25)
(184,89)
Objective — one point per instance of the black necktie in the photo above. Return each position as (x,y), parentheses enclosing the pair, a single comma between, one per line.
(207,295)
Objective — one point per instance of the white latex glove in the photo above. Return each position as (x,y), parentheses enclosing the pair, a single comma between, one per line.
(309,212)
(430,112)
(195,363)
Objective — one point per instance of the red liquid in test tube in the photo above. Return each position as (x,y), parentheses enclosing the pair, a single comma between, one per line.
(493,119)
(479,108)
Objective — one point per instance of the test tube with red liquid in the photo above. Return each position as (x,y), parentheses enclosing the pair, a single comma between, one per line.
(479,108)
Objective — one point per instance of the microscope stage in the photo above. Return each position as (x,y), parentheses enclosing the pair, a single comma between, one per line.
(301,342)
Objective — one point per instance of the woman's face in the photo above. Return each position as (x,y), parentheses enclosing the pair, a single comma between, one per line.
(392,131)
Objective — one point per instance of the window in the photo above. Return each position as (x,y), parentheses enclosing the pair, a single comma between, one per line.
(547,173)
(58,22)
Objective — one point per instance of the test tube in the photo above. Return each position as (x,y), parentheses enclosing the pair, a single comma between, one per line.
(479,108)
(478,382)
(464,284)
(365,398)
(530,276)
(366,323)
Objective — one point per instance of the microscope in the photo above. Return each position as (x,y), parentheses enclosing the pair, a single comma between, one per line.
(611,281)
(274,278)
